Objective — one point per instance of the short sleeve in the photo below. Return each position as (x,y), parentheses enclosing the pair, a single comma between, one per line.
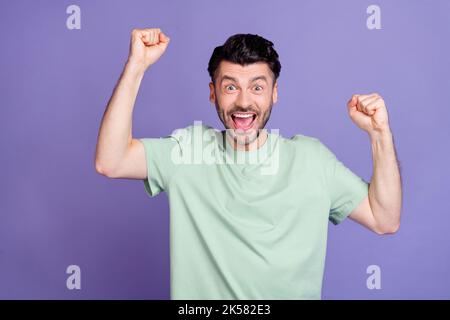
(161,162)
(346,189)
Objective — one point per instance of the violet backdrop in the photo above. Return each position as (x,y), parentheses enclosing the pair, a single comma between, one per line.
(55,210)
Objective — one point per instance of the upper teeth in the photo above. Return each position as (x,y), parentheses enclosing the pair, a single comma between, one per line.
(243,115)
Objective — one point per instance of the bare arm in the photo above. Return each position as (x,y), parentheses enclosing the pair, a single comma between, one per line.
(385,191)
(380,211)
(118,154)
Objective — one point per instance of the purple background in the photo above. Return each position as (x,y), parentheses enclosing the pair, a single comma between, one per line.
(55,210)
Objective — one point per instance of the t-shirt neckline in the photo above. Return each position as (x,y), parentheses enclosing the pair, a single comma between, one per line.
(261,153)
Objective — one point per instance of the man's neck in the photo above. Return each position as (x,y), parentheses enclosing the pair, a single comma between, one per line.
(258,143)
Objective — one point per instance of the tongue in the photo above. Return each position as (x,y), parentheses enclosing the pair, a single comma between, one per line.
(243,123)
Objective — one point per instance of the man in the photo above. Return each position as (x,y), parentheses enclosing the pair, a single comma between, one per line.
(245,229)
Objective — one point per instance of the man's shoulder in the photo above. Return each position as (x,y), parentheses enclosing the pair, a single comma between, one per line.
(303,141)
(197,129)
(308,145)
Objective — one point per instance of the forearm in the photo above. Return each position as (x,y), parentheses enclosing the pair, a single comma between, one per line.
(385,190)
(115,132)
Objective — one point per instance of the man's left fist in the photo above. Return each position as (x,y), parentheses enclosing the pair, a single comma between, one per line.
(369,112)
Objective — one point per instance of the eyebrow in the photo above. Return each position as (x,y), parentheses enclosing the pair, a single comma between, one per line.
(226,77)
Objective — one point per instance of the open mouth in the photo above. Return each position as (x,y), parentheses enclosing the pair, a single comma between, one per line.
(243,120)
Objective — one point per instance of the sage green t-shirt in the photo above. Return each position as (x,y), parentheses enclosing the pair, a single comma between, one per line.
(248,224)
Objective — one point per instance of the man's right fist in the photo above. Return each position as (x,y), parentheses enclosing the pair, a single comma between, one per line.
(147,46)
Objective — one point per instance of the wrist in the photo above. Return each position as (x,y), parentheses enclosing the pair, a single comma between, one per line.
(380,134)
(135,67)
(381,137)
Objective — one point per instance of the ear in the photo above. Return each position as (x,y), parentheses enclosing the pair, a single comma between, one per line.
(212,94)
(275,93)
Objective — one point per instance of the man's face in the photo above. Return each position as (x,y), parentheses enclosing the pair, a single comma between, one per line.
(243,96)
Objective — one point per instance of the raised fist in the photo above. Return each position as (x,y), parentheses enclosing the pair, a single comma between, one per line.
(369,112)
(147,46)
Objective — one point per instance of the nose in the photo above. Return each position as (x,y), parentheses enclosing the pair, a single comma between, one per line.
(244,100)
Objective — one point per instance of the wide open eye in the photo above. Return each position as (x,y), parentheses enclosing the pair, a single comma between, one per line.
(230,87)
